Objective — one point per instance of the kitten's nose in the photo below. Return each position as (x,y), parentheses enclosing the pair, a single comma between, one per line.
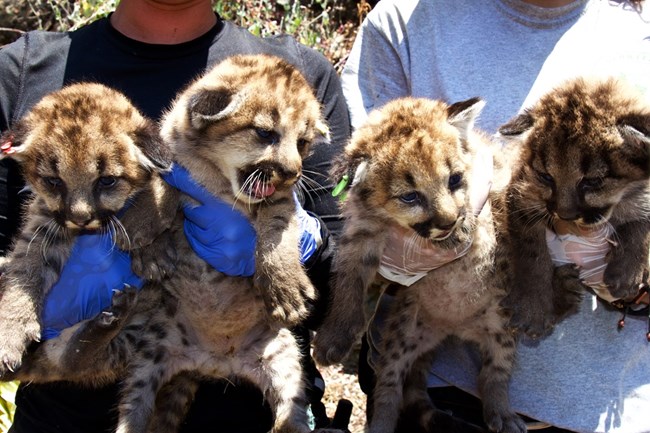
(81,221)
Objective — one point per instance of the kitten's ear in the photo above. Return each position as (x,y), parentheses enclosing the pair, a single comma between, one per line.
(12,144)
(635,130)
(517,126)
(155,153)
(463,114)
(348,170)
(208,106)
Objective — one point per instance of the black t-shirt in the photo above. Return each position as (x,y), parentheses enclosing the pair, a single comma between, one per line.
(150,75)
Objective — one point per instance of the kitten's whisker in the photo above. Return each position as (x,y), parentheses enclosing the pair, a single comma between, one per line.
(117,224)
(244,186)
(37,231)
(50,234)
(312,184)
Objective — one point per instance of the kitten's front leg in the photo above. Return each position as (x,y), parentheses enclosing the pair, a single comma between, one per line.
(279,275)
(530,291)
(355,266)
(29,272)
(19,321)
(628,259)
(568,291)
(82,352)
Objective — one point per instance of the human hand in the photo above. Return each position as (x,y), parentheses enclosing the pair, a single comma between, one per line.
(586,248)
(217,233)
(95,268)
(222,236)
(309,226)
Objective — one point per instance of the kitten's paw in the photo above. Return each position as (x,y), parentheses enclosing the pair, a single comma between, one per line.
(568,291)
(122,305)
(621,281)
(286,308)
(14,342)
(504,422)
(156,261)
(534,320)
(286,300)
(333,341)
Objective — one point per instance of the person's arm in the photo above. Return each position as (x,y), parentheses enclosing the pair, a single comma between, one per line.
(374,71)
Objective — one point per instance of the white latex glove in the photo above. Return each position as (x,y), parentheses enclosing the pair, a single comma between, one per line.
(585,247)
(408,257)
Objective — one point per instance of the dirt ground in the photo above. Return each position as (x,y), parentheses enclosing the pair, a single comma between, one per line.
(341,382)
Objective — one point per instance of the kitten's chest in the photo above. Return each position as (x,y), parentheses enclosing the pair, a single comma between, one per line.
(212,303)
(461,289)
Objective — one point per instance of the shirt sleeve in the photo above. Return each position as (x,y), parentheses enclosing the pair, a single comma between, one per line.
(375,71)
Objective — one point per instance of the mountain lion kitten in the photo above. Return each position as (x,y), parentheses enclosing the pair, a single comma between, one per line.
(241,130)
(585,165)
(410,167)
(92,162)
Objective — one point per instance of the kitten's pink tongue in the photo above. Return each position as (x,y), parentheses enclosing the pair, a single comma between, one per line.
(262,189)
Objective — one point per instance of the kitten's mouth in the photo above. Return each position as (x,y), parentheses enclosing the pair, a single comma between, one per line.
(445,234)
(259,189)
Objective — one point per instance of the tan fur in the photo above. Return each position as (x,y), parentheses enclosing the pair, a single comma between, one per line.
(420,146)
(252,120)
(585,160)
(85,152)
(199,322)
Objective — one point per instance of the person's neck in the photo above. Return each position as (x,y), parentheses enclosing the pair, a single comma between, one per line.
(548,3)
(156,23)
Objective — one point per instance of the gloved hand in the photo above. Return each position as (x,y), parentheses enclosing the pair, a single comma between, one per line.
(407,257)
(310,238)
(222,236)
(587,248)
(94,269)
(217,233)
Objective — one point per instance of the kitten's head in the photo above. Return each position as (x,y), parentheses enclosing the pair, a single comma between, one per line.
(586,155)
(247,123)
(85,151)
(409,164)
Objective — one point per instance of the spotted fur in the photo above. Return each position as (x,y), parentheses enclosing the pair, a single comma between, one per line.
(249,114)
(87,154)
(418,154)
(585,161)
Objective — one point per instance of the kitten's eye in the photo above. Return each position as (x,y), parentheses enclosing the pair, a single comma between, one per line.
(410,197)
(591,183)
(53,182)
(107,181)
(302,143)
(545,178)
(267,135)
(455,181)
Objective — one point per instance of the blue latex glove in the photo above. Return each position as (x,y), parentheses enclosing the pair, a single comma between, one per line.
(310,238)
(222,236)
(94,269)
(217,233)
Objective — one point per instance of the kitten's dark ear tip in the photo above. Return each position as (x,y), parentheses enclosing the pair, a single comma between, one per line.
(154,148)
(517,126)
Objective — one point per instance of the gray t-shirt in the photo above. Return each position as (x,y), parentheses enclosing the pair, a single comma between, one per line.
(587,376)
